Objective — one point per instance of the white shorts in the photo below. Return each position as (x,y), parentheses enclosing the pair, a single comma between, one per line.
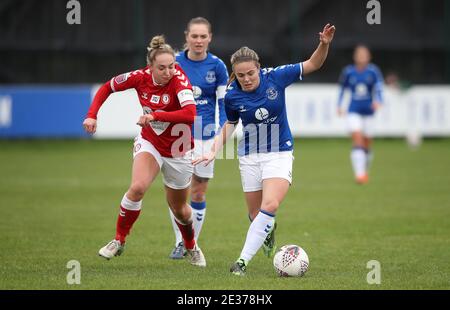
(362,123)
(176,172)
(203,147)
(260,166)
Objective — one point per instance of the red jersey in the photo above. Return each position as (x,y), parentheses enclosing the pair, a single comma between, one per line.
(169,141)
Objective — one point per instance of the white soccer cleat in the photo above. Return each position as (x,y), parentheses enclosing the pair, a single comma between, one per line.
(196,256)
(113,248)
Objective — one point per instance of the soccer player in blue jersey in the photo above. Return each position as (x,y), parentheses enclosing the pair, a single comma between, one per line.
(257,97)
(208,76)
(365,81)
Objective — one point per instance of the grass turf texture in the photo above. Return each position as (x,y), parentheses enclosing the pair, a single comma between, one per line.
(59,202)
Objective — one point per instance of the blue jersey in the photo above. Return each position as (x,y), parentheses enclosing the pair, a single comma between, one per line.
(263,111)
(209,78)
(366,87)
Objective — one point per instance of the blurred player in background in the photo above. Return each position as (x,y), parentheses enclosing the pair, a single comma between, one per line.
(208,76)
(169,107)
(365,81)
(257,97)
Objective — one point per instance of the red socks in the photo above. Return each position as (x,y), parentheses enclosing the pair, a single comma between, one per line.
(125,221)
(187,231)
(129,212)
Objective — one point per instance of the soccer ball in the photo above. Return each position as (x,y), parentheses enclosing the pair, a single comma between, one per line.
(291,261)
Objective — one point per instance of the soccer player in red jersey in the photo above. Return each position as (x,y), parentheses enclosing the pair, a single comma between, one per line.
(164,144)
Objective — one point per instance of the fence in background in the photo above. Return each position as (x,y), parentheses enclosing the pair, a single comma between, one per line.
(58,112)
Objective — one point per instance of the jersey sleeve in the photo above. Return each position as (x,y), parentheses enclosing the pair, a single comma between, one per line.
(222,113)
(221,74)
(183,88)
(118,83)
(100,97)
(379,83)
(126,80)
(343,84)
(222,80)
(232,115)
(287,74)
(185,115)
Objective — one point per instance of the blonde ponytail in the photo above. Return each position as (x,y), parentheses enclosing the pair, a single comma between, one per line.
(158,46)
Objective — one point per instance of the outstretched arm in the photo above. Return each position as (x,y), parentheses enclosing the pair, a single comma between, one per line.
(90,123)
(343,84)
(320,54)
(378,91)
(119,83)
(219,141)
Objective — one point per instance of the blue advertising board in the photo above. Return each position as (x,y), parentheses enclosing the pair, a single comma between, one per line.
(43,112)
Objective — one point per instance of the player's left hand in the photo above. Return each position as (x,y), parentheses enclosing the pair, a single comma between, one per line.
(327,34)
(144,120)
(376,106)
(207,159)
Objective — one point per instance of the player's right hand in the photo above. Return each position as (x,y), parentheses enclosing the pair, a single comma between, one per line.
(90,125)
(145,119)
(340,112)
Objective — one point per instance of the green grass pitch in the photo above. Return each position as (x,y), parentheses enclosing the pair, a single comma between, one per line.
(59,202)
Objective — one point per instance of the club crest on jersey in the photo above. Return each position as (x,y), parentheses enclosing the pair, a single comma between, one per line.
(272,93)
(361,90)
(210,77)
(261,114)
(165,99)
(121,78)
(137,147)
(197,91)
(155,99)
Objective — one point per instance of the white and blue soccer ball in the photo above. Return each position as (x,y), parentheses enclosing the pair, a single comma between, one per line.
(291,261)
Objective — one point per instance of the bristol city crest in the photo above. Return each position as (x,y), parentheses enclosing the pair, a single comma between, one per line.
(165,99)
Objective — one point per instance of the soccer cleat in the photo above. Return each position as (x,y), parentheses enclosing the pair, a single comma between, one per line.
(239,267)
(113,248)
(196,256)
(269,246)
(178,252)
(363,179)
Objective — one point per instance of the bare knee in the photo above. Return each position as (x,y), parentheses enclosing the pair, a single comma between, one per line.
(367,142)
(198,189)
(198,195)
(182,214)
(136,191)
(270,205)
(358,140)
